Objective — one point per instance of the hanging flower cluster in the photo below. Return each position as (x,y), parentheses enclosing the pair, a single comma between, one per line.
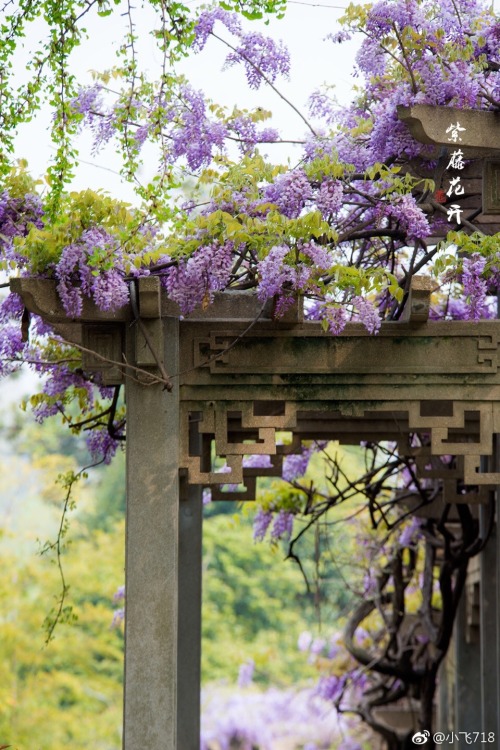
(342,226)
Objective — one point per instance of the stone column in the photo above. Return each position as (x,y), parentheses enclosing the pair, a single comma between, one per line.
(489,630)
(189,635)
(152,572)
(468,674)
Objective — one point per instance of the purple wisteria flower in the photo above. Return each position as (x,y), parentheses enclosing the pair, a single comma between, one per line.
(304,641)
(17,216)
(349,744)
(11,308)
(282,527)
(261,522)
(290,192)
(330,688)
(321,257)
(319,146)
(366,313)
(101,445)
(475,285)
(97,116)
(57,389)
(262,58)
(295,465)
(275,273)
(92,267)
(197,278)
(339,36)
(323,107)
(257,461)
(118,617)
(458,309)
(195,135)
(245,674)
(247,131)
(119,593)
(335,317)
(249,719)
(206,22)
(409,215)
(329,198)
(317,646)
(88,100)
(11,348)
(411,533)
(334,648)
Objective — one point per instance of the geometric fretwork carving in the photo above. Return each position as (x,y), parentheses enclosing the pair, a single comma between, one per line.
(233,429)
(236,431)
(443,427)
(245,376)
(419,352)
(451,475)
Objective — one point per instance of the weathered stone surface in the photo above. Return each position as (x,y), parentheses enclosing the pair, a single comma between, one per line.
(247,378)
(238,379)
(478,141)
(429,123)
(152,560)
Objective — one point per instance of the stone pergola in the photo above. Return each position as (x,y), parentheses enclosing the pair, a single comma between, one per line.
(223,382)
(236,378)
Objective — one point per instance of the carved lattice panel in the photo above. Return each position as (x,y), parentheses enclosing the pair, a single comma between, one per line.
(445,433)
(236,431)
(247,376)
(455,428)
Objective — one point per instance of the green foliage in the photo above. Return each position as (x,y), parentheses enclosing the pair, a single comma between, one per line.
(108,496)
(254,9)
(45,444)
(68,694)
(248,613)
(55,29)
(81,211)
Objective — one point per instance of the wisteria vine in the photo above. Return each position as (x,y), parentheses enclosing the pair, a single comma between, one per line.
(346,224)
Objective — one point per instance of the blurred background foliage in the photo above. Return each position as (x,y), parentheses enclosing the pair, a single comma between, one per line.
(69,693)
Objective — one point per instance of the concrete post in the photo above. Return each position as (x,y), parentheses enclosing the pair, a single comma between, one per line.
(150,709)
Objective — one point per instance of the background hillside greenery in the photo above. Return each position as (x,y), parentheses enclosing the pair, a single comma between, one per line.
(68,693)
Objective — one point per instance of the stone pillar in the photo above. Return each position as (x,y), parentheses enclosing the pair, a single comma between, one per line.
(152,572)
(189,635)
(468,674)
(489,630)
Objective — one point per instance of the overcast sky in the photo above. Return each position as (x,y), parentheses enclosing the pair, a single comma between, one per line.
(314,62)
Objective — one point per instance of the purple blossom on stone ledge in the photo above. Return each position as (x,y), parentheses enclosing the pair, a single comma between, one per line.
(198,277)
(367,314)
(475,285)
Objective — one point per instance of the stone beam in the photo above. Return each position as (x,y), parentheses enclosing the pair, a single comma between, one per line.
(40,297)
(428,124)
